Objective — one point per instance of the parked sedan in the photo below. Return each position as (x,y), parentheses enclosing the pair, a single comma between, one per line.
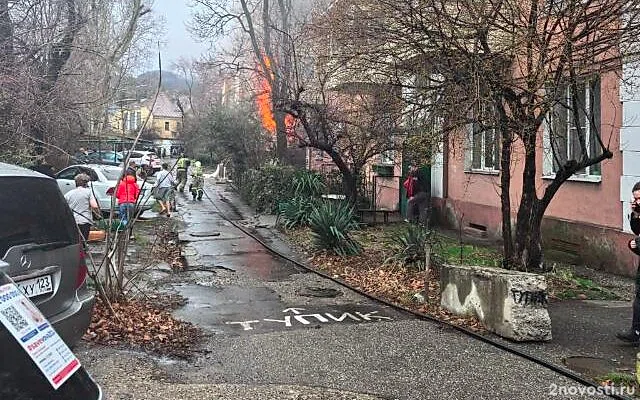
(39,241)
(20,378)
(104,157)
(147,159)
(103,183)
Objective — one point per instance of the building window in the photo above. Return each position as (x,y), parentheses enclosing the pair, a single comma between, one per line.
(132,121)
(484,140)
(572,135)
(387,157)
(125,120)
(166,125)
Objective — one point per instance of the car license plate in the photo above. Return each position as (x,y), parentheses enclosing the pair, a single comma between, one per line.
(36,286)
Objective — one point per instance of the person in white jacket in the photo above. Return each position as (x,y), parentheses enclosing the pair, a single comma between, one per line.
(165,184)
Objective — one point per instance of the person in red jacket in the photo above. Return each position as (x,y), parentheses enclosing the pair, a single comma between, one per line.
(127,194)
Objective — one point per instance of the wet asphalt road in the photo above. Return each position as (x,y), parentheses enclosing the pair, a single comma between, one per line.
(275,331)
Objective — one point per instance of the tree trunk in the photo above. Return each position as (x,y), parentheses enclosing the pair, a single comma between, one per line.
(6,34)
(527,254)
(281,135)
(350,185)
(284,78)
(505,189)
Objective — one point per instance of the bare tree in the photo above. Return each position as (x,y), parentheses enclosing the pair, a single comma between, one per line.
(59,69)
(307,87)
(528,71)
(264,26)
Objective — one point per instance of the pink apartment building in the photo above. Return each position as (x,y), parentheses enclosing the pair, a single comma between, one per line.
(588,217)
(587,221)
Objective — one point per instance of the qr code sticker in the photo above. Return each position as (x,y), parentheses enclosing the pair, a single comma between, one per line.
(15,318)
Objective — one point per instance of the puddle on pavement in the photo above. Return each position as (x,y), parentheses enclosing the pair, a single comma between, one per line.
(161,360)
(261,265)
(208,307)
(204,234)
(314,291)
(590,366)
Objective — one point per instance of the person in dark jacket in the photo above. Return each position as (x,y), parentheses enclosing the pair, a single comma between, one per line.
(633,335)
(417,192)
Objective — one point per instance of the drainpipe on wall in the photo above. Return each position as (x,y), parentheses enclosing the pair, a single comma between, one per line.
(445,167)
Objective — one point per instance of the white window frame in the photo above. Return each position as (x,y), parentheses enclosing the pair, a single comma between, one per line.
(472,142)
(548,160)
(388,157)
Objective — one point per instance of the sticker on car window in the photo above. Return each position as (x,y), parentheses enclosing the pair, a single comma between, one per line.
(36,336)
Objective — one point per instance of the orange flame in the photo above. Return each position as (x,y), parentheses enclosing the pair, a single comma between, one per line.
(264,103)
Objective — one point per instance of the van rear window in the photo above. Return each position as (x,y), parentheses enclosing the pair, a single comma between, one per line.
(32,210)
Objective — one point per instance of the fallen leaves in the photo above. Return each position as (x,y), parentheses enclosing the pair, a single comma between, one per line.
(168,248)
(369,273)
(144,325)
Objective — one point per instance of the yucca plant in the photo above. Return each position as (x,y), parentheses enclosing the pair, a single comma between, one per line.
(330,224)
(295,212)
(410,244)
(308,184)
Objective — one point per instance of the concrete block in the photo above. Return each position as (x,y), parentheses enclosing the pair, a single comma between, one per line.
(509,303)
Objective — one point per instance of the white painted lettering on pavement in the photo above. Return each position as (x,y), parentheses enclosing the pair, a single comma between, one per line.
(305,322)
(286,321)
(294,310)
(368,316)
(342,317)
(304,319)
(246,325)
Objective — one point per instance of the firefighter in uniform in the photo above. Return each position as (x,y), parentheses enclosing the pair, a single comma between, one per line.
(182,167)
(197,181)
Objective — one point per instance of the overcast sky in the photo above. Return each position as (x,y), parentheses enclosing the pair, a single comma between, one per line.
(179,42)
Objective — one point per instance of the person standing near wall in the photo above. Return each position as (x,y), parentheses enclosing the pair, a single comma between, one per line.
(633,335)
(417,193)
(82,202)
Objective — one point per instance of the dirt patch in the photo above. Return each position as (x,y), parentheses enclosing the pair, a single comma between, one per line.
(372,273)
(167,246)
(142,319)
(572,282)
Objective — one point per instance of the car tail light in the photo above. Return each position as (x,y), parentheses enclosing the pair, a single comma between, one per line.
(110,191)
(83,271)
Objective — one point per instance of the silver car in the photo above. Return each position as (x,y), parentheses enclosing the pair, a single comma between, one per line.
(40,242)
(21,379)
(104,179)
